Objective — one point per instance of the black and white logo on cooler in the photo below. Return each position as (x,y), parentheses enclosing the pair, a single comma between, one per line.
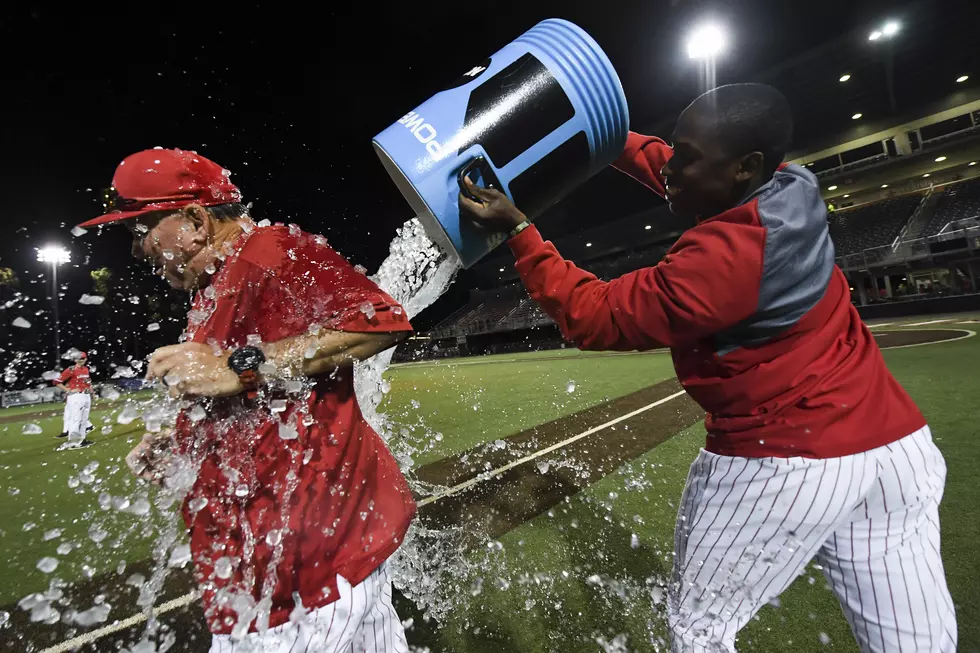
(424,133)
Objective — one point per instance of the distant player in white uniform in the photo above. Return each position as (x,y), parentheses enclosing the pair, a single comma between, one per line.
(76,382)
(814,451)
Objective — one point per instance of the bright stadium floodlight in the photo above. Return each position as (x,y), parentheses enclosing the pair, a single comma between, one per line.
(891,28)
(940,159)
(588,244)
(53,254)
(857,116)
(832,188)
(962,78)
(845,77)
(648,227)
(874,36)
(706,42)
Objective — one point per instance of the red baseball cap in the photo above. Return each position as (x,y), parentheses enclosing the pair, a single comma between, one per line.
(159,179)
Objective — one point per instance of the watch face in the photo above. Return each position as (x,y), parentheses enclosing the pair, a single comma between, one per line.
(246,359)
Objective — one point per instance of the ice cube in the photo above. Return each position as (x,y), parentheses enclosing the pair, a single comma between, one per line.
(64,548)
(197,413)
(368,309)
(97,534)
(153,326)
(167,254)
(543,466)
(136,580)
(47,564)
(51,375)
(128,414)
(78,231)
(110,392)
(31,429)
(95,615)
(635,541)
(21,323)
(140,507)
(51,534)
(288,431)
(570,388)
(180,556)
(253,340)
(264,223)
(241,491)
(277,405)
(91,300)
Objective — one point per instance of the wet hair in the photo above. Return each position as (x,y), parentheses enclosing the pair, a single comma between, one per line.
(749,118)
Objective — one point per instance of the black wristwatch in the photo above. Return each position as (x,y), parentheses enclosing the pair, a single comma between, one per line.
(245,362)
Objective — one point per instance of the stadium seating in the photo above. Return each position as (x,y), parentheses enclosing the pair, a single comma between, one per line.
(958,202)
(871,225)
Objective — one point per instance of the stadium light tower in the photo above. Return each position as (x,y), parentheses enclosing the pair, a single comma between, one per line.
(55,256)
(887,34)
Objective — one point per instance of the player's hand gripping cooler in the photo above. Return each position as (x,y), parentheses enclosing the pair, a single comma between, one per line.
(534,121)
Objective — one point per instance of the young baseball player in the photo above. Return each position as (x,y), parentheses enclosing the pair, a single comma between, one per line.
(77,384)
(297,503)
(813,450)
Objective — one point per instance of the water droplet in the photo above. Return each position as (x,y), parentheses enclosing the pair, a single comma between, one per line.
(273,537)
(167,254)
(223,568)
(197,504)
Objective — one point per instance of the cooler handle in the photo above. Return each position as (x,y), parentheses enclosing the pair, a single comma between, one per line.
(482,166)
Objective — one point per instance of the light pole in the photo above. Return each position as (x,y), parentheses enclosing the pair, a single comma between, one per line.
(886,33)
(55,255)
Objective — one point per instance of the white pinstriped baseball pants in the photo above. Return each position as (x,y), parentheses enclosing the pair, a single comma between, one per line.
(747,527)
(362,620)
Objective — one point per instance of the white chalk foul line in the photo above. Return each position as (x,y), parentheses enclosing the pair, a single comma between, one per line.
(99,633)
(969,334)
(190,597)
(537,454)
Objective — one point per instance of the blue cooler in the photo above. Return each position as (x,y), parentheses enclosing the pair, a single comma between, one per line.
(535,120)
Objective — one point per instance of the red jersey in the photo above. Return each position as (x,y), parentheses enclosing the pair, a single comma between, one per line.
(76,379)
(756,314)
(302,470)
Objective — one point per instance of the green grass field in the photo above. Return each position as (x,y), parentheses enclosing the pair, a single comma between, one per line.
(571,579)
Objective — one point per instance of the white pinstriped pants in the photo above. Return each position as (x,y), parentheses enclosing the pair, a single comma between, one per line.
(747,527)
(362,620)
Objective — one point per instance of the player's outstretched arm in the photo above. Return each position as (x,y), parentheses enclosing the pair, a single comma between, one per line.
(709,282)
(643,158)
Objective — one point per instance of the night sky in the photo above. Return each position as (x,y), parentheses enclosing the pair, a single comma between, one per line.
(288,99)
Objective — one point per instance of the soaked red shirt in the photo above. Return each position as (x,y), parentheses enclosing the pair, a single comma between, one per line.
(324,487)
(76,379)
